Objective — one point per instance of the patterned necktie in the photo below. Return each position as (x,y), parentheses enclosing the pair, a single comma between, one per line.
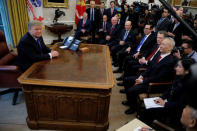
(111,12)
(125,35)
(38,42)
(104,27)
(159,59)
(112,28)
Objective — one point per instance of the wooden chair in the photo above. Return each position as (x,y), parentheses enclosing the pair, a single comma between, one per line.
(8,71)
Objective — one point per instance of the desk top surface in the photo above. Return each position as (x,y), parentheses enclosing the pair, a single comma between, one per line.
(71,69)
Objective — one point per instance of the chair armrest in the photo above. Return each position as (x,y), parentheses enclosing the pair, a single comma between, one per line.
(162,125)
(140,70)
(158,86)
(160,83)
(9,68)
(9,75)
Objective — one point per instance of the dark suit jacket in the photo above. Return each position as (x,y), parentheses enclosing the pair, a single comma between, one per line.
(115,32)
(173,94)
(96,20)
(29,51)
(148,44)
(177,32)
(87,25)
(161,71)
(100,15)
(109,16)
(130,40)
(163,25)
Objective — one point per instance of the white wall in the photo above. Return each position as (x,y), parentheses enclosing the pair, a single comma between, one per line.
(131,1)
(49,14)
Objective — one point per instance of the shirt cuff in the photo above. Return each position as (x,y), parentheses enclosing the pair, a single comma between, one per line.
(50,55)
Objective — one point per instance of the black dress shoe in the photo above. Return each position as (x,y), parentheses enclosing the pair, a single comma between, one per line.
(119,78)
(125,103)
(122,91)
(120,84)
(117,70)
(129,111)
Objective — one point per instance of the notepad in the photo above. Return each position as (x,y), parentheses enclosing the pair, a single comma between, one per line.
(149,103)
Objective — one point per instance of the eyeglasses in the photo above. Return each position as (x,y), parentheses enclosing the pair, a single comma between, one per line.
(184,48)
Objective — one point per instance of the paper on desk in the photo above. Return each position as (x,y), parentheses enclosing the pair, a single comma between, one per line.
(149,103)
(137,129)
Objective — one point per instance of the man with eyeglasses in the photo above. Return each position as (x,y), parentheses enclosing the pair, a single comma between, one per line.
(32,48)
(188,51)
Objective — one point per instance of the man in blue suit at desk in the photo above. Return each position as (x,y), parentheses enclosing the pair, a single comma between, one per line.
(32,48)
(83,26)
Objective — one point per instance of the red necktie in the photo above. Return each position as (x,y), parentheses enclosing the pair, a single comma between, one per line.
(151,55)
(159,59)
(112,28)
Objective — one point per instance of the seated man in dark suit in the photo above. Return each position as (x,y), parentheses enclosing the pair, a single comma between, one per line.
(83,26)
(103,29)
(126,38)
(32,48)
(159,71)
(112,33)
(111,12)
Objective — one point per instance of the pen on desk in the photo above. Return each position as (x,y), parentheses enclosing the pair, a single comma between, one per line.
(146,129)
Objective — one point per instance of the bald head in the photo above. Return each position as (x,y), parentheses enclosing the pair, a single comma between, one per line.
(128,25)
(114,20)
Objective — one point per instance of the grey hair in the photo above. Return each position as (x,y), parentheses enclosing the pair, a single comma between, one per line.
(170,41)
(193,113)
(34,23)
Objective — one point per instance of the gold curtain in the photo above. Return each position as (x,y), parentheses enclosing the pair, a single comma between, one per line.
(18,18)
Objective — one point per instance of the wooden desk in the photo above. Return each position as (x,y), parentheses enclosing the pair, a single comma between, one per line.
(70,92)
(132,125)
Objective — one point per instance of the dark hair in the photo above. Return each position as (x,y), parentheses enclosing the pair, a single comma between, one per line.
(163,32)
(187,62)
(189,43)
(112,2)
(151,25)
(142,21)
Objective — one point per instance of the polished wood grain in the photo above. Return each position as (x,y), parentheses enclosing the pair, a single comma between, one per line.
(92,69)
(70,92)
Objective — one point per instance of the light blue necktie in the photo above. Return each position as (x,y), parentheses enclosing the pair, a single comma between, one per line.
(125,35)
(141,42)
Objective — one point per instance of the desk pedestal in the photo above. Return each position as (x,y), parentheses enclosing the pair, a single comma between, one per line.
(67,108)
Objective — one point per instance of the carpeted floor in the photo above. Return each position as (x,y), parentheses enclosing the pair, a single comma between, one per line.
(13,118)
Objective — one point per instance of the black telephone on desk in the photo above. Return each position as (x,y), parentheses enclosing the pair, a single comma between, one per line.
(70,43)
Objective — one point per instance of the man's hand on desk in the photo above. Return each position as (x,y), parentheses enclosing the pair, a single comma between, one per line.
(54,53)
